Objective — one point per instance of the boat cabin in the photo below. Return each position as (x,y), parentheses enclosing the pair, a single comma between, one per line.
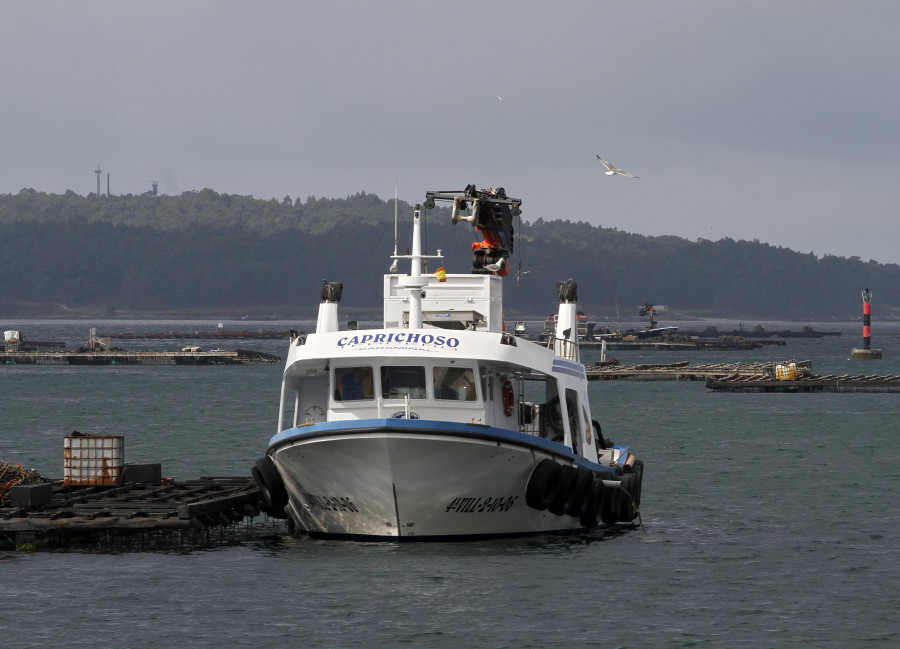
(485,391)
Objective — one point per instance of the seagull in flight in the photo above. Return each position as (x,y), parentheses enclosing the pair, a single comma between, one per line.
(612,170)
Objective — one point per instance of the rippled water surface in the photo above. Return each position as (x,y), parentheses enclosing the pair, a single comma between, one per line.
(771,520)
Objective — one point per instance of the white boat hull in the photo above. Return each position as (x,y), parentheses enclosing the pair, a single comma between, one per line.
(407,483)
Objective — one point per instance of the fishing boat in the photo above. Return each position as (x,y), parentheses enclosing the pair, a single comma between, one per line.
(440,424)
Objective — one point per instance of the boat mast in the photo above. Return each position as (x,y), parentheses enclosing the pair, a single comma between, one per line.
(396,200)
(415,281)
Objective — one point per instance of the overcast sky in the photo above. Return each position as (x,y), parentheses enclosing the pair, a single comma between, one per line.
(766,120)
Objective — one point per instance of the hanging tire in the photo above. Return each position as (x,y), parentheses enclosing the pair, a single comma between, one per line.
(593,505)
(627,513)
(609,512)
(638,470)
(562,497)
(272,491)
(542,484)
(583,480)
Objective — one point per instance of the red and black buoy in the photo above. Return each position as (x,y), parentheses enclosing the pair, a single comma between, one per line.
(866,351)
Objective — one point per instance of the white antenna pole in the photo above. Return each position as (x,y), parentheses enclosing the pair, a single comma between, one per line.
(395,217)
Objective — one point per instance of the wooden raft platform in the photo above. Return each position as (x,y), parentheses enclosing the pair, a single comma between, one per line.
(808,383)
(682,371)
(201,335)
(214,357)
(680,345)
(175,511)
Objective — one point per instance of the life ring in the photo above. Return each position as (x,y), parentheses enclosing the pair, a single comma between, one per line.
(509,400)
(272,491)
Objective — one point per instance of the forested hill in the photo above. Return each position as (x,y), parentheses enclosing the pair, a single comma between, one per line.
(204,253)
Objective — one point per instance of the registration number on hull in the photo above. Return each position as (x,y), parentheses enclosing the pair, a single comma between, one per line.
(330,503)
(475,505)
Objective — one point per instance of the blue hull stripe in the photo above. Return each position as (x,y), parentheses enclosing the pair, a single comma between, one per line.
(565,367)
(437,428)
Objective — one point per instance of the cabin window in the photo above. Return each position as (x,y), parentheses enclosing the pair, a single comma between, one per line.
(353,384)
(454,383)
(400,381)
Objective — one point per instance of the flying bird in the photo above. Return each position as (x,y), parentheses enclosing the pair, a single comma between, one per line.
(612,170)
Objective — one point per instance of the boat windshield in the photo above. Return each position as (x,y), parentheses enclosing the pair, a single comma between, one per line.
(400,381)
(353,383)
(454,383)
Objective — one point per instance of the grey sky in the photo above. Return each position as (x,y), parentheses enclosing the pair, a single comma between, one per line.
(753,120)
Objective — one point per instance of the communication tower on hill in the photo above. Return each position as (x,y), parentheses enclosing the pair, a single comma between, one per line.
(98,171)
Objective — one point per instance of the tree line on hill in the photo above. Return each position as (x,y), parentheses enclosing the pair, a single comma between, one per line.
(205,251)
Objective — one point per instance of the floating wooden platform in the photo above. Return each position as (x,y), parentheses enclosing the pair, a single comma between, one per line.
(682,371)
(214,357)
(677,345)
(176,513)
(201,335)
(759,332)
(32,345)
(809,383)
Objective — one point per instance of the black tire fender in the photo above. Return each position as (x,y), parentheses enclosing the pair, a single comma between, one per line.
(593,504)
(609,512)
(627,512)
(272,491)
(542,484)
(562,497)
(583,479)
(638,471)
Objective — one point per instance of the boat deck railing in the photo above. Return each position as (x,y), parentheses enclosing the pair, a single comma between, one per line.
(564,348)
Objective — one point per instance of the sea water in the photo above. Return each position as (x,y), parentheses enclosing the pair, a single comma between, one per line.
(769,520)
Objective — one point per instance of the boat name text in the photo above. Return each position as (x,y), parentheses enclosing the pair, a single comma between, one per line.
(481,505)
(401,337)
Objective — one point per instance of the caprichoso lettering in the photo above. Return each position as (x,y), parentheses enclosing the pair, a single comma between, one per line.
(400,337)
(477,505)
(330,503)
